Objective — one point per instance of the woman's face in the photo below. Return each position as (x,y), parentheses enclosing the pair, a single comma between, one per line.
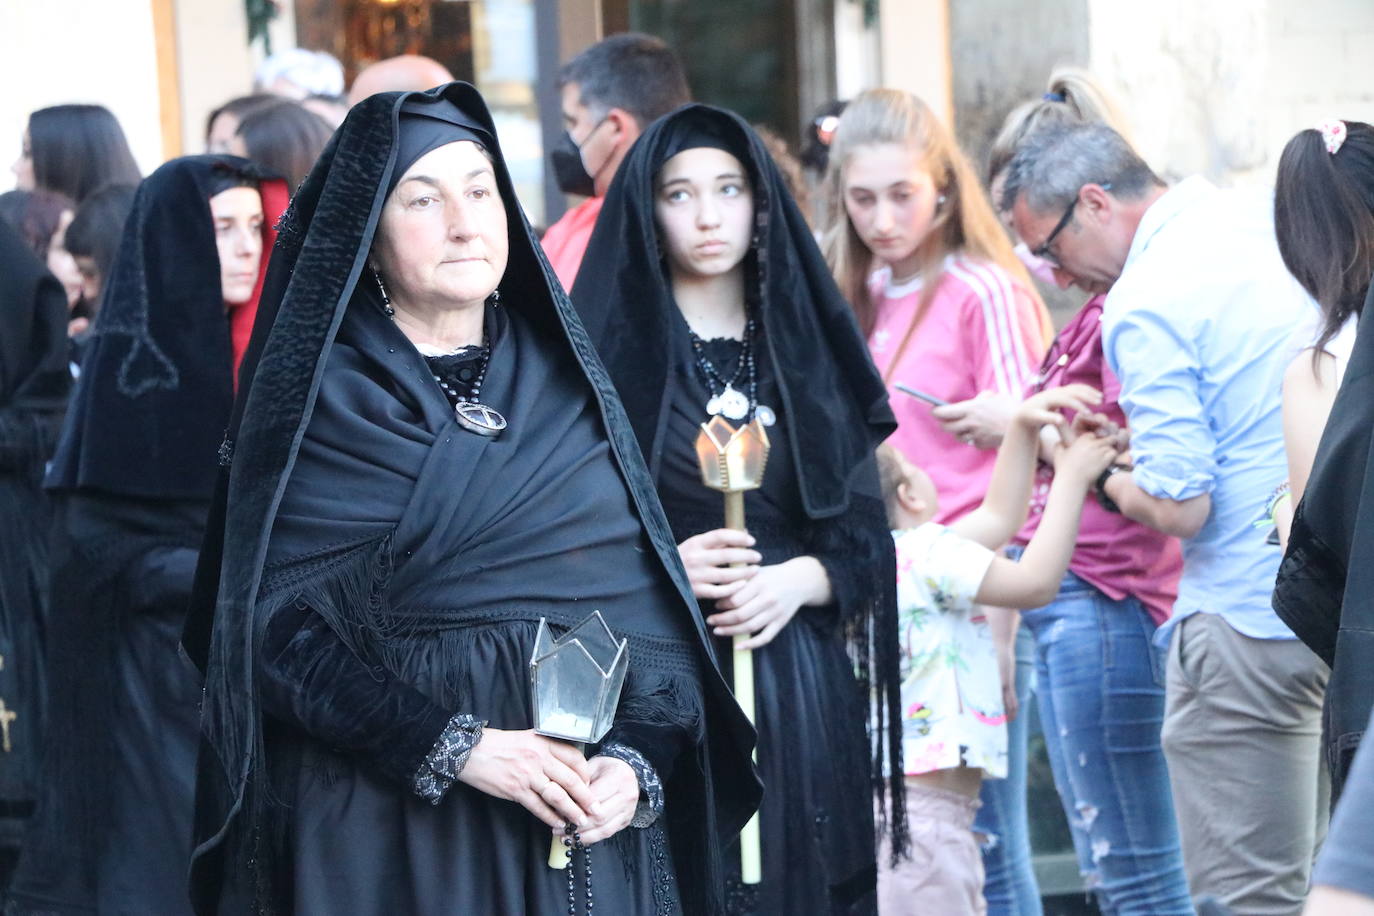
(891,199)
(23,167)
(61,264)
(238,218)
(443,241)
(222,131)
(705,212)
(90,277)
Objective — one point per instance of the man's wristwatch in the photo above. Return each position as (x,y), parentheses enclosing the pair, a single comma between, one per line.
(1100,487)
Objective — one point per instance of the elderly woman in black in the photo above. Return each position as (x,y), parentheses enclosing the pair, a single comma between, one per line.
(426,459)
(705,294)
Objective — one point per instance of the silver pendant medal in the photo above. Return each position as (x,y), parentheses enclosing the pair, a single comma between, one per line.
(731,403)
(479,418)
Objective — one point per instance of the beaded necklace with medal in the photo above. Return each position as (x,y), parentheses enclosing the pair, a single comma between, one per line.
(726,399)
(472,414)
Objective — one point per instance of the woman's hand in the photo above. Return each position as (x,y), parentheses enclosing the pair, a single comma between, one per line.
(708,556)
(549,778)
(616,790)
(767,602)
(979,421)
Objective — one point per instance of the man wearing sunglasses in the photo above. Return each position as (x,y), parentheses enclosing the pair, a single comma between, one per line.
(1196,323)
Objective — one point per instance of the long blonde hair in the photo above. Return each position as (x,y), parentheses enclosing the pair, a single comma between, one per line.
(964,223)
(1073,96)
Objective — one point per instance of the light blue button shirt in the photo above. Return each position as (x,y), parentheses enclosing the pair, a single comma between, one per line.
(1197,329)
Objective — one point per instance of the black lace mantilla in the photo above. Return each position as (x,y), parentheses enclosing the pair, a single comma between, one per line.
(456,372)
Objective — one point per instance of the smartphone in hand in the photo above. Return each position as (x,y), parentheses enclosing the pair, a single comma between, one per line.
(930,399)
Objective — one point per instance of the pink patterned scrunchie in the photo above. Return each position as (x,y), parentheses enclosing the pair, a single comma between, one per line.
(1333,134)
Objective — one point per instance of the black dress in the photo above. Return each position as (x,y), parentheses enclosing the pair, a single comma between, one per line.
(375,575)
(816,819)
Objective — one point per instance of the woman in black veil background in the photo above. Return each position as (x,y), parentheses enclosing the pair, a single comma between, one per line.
(131,485)
(704,292)
(420,467)
(34,383)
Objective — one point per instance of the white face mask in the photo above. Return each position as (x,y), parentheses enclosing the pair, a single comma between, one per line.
(1038,267)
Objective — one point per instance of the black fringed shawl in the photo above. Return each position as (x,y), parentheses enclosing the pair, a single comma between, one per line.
(1325,587)
(831,394)
(314,311)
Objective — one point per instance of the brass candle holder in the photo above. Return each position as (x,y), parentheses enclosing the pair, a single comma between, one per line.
(732,461)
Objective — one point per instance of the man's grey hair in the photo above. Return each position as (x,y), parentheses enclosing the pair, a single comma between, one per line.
(1051,165)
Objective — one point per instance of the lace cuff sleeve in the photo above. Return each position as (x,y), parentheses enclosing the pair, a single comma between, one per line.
(650,787)
(447,758)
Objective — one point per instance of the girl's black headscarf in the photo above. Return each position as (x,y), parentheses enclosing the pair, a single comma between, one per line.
(832,395)
(1325,587)
(157,377)
(316,270)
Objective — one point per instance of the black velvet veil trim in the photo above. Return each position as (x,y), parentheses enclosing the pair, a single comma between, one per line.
(1325,586)
(323,244)
(830,391)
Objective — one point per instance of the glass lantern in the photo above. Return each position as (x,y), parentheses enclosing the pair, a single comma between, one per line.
(576,680)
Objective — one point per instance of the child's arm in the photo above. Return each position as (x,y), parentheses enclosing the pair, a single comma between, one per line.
(1034,581)
(1003,511)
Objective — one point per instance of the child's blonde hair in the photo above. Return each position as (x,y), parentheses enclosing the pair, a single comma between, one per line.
(1073,96)
(964,224)
(891,475)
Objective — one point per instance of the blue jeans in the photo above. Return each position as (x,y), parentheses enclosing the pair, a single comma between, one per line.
(1101,701)
(1010,887)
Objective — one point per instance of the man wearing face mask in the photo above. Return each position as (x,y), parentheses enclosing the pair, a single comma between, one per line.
(610,93)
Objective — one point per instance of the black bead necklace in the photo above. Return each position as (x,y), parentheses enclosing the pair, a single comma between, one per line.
(473,378)
(725,398)
(572,842)
(471,413)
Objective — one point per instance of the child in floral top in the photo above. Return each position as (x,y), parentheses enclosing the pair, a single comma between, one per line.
(954,726)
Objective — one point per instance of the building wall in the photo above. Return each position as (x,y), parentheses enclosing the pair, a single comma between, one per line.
(1320,66)
(64,51)
(1002,52)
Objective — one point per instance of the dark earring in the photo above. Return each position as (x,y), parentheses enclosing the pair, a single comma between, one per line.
(386,300)
(495,298)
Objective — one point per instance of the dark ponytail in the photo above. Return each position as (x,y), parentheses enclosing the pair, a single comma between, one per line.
(1324,220)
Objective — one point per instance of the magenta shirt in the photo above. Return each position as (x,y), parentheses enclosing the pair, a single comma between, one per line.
(1116,555)
(982,332)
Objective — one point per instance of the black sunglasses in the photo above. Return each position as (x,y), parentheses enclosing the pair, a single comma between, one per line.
(1042,251)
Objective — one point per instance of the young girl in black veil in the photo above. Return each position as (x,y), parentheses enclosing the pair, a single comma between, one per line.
(705,293)
(131,484)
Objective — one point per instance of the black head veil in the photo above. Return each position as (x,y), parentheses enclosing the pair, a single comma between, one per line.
(34,379)
(830,391)
(322,249)
(157,380)
(825,376)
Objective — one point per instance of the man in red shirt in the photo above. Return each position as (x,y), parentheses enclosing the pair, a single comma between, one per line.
(610,93)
